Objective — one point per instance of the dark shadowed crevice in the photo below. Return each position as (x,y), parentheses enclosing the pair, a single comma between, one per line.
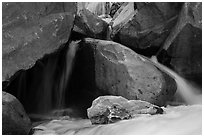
(37,88)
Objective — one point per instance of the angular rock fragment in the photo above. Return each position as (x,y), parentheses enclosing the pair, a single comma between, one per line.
(120,71)
(122,16)
(31,30)
(90,25)
(114,8)
(14,118)
(110,109)
(146,27)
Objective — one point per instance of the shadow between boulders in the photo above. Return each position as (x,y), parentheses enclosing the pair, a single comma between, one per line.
(31,86)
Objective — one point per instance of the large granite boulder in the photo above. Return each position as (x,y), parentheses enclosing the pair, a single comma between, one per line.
(120,71)
(110,109)
(14,118)
(183,45)
(31,30)
(145,28)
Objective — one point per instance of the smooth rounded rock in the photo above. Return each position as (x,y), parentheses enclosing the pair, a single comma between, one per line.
(15,121)
(121,71)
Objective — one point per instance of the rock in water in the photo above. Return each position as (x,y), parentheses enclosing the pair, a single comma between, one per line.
(14,118)
(90,25)
(121,71)
(31,30)
(110,109)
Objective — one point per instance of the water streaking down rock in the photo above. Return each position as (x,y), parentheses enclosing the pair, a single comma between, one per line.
(31,30)
(110,109)
(120,71)
(180,120)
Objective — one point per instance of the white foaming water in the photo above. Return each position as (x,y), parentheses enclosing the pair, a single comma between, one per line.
(178,120)
(190,93)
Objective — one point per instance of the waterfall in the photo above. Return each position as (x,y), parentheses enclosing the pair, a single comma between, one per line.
(191,94)
(69,62)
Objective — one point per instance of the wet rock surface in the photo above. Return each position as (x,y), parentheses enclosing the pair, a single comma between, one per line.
(14,118)
(121,71)
(181,49)
(110,109)
(186,53)
(144,28)
(31,30)
(90,25)
(37,36)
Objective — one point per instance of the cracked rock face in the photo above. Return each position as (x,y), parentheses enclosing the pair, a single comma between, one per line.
(145,28)
(121,71)
(31,30)
(110,109)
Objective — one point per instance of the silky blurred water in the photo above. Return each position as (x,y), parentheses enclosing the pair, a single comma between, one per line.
(179,120)
(189,92)
(176,120)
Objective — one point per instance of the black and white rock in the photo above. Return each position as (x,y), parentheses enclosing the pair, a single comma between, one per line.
(15,121)
(110,109)
(120,71)
(31,30)
(90,25)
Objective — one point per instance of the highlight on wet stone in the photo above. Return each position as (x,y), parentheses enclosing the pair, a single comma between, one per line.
(102,68)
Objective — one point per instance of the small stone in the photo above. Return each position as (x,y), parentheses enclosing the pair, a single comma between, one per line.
(110,109)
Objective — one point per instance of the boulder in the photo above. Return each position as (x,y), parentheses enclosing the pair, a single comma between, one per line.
(120,71)
(142,29)
(114,8)
(14,118)
(183,45)
(110,109)
(169,9)
(186,53)
(31,30)
(122,16)
(91,25)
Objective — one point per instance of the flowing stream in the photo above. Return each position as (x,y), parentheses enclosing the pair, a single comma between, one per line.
(191,94)
(183,119)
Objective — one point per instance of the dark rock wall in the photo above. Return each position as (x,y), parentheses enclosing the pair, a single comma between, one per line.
(31,30)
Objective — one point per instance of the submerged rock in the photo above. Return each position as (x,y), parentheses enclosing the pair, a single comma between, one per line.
(31,30)
(120,71)
(14,118)
(90,25)
(110,109)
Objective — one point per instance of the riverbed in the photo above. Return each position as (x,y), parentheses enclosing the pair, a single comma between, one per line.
(176,120)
